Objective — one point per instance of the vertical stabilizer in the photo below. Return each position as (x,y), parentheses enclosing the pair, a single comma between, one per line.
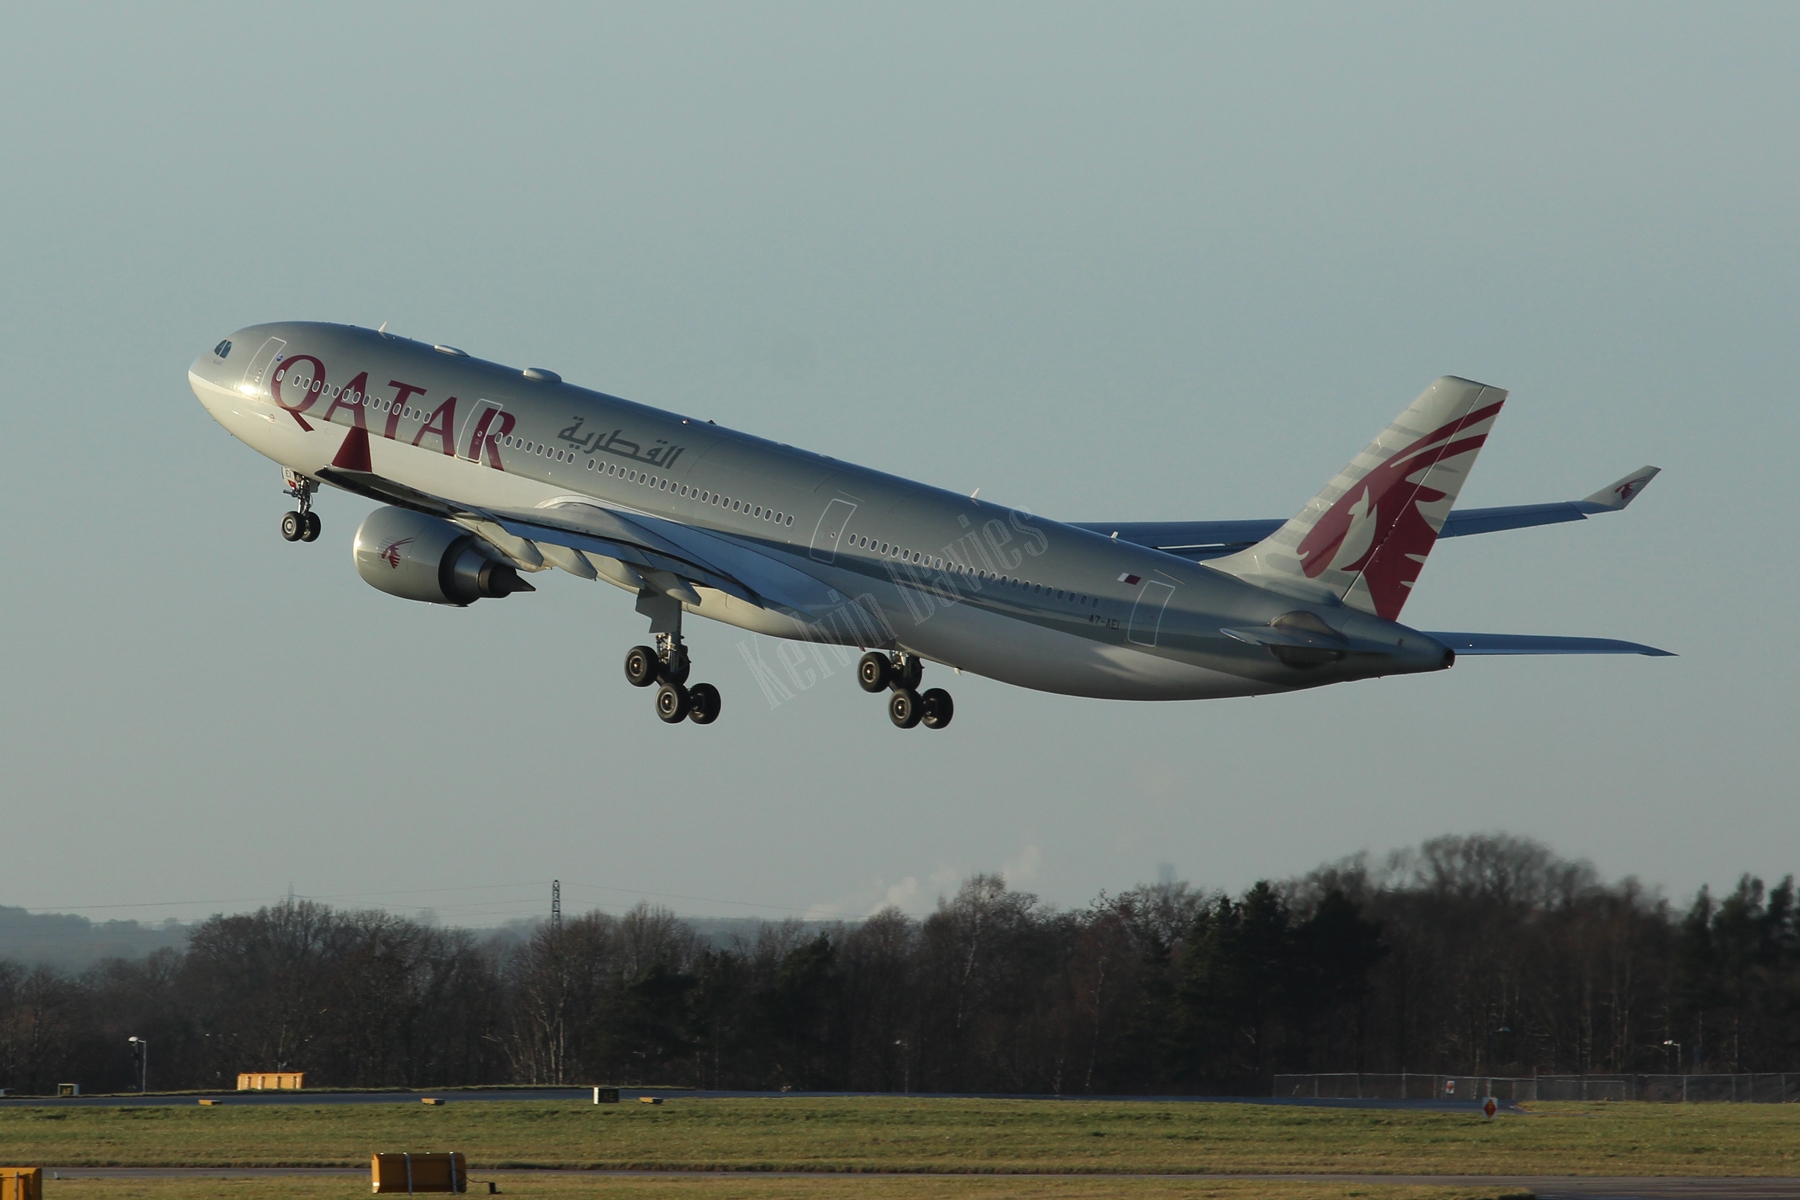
(1365,537)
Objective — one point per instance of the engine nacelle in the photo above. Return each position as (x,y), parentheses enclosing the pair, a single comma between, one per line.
(418,557)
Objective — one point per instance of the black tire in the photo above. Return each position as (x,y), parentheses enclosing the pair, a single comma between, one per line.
(939,708)
(874,672)
(672,703)
(641,666)
(703,704)
(292,526)
(905,708)
(311,532)
(908,675)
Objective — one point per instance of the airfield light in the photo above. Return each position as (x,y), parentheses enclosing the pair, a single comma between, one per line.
(143,1048)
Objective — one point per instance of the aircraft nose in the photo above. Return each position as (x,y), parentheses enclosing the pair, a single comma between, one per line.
(206,378)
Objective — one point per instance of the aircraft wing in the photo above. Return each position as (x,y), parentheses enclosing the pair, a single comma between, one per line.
(659,554)
(1201,540)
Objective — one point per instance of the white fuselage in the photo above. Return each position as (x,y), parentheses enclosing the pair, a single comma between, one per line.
(995,591)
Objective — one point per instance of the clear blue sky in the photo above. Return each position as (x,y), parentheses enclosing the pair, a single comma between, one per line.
(1106,262)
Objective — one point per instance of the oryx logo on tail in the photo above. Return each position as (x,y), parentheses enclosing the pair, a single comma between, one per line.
(1378,528)
(1366,535)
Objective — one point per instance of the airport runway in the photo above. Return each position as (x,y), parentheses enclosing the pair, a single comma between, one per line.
(578,1094)
(1544,1187)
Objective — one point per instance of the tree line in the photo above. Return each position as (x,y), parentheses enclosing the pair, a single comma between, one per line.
(1469,955)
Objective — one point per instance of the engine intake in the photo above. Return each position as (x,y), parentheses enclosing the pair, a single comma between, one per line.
(419,557)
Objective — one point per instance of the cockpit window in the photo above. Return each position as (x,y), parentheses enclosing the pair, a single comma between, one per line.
(223,349)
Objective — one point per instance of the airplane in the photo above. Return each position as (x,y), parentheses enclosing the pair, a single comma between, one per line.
(487,474)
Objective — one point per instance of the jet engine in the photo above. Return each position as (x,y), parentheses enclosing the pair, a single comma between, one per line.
(419,557)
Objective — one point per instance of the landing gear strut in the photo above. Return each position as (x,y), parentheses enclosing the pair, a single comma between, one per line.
(667,664)
(901,674)
(301,525)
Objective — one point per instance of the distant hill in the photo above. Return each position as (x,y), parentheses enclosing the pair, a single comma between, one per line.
(73,943)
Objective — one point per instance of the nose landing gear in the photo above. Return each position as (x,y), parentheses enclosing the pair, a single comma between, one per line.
(901,674)
(301,525)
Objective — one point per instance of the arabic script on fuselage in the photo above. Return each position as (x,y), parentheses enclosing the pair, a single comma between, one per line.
(662,454)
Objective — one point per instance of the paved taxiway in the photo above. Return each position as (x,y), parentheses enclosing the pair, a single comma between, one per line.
(577,1094)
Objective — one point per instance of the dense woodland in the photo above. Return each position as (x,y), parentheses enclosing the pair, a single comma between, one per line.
(1469,954)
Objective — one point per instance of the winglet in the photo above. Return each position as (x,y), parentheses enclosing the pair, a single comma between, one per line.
(1615,496)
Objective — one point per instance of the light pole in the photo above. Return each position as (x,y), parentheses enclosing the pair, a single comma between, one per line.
(905,1067)
(1677,1046)
(143,1049)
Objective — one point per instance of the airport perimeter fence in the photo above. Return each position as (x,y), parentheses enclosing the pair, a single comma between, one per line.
(1760,1088)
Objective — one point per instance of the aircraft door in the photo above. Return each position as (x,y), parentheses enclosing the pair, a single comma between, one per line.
(486,421)
(830,530)
(1147,613)
(257,372)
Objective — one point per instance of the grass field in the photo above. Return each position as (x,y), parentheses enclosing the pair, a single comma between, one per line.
(738,1188)
(982,1137)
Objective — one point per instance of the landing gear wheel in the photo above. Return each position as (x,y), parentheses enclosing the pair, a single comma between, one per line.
(905,708)
(641,665)
(672,703)
(874,671)
(674,669)
(938,708)
(703,704)
(908,673)
(301,525)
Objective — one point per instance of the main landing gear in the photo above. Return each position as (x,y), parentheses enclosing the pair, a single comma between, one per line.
(901,673)
(301,525)
(666,664)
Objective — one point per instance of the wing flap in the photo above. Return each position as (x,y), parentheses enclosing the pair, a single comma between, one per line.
(773,581)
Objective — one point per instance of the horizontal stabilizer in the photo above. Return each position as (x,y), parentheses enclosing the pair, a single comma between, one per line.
(1513,643)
